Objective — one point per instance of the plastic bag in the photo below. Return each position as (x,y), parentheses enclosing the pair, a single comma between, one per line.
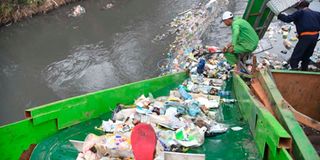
(190,136)
(123,114)
(113,145)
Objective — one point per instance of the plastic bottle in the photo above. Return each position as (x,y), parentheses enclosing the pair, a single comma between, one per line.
(184,94)
(180,107)
(224,93)
(201,65)
(193,108)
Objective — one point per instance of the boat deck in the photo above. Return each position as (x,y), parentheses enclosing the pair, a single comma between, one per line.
(230,145)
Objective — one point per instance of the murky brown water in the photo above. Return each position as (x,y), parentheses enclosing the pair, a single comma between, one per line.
(54,56)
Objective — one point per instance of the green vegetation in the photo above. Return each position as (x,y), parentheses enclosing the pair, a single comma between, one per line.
(9,7)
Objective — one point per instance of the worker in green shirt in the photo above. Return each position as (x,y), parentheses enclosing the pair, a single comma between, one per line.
(244,38)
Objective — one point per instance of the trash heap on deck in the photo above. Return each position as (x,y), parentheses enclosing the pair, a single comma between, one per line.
(181,120)
(189,113)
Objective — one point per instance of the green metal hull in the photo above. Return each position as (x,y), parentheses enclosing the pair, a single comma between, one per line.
(44,121)
(230,145)
(48,120)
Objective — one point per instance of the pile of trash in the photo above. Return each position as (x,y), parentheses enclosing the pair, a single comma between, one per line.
(188,27)
(278,57)
(108,6)
(181,120)
(272,61)
(316,56)
(273,35)
(77,11)
(190,112)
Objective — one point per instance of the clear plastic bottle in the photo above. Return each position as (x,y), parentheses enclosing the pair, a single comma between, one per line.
(224,93)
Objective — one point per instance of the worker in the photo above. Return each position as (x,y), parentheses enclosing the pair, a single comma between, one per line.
(244,38)
(307,24)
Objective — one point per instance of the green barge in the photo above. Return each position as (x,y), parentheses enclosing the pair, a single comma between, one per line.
(52,125)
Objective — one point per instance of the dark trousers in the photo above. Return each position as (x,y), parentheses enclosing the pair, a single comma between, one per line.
(303,51)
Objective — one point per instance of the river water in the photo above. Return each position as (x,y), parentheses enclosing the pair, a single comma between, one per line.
(53,56)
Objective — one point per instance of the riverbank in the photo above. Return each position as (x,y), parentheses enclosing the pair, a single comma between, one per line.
(15,11)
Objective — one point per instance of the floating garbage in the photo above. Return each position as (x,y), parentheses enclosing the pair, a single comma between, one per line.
(284,52)
(188,28)
(273,61)
(77,11)
(280,56)
(287,44)
(108,6)
(315,58)
(285,31)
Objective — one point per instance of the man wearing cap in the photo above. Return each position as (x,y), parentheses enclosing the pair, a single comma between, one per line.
(244,38)
(307,24)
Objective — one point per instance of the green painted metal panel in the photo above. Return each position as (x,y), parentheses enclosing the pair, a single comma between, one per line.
(302,147)
(58,147)
(266,129)
(252,11)
(258,15)
(92,105)
(16,137)
(48,119)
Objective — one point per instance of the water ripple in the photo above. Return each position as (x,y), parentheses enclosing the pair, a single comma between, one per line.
(87,69)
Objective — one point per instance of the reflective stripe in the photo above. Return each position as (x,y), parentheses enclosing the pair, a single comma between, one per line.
(309,33)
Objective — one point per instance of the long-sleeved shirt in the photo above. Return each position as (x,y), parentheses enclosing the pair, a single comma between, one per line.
(306,20)
(243,34)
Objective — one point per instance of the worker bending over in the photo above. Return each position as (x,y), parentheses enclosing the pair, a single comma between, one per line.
(244,38)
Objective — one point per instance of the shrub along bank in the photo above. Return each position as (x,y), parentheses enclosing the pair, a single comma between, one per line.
(14,10)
